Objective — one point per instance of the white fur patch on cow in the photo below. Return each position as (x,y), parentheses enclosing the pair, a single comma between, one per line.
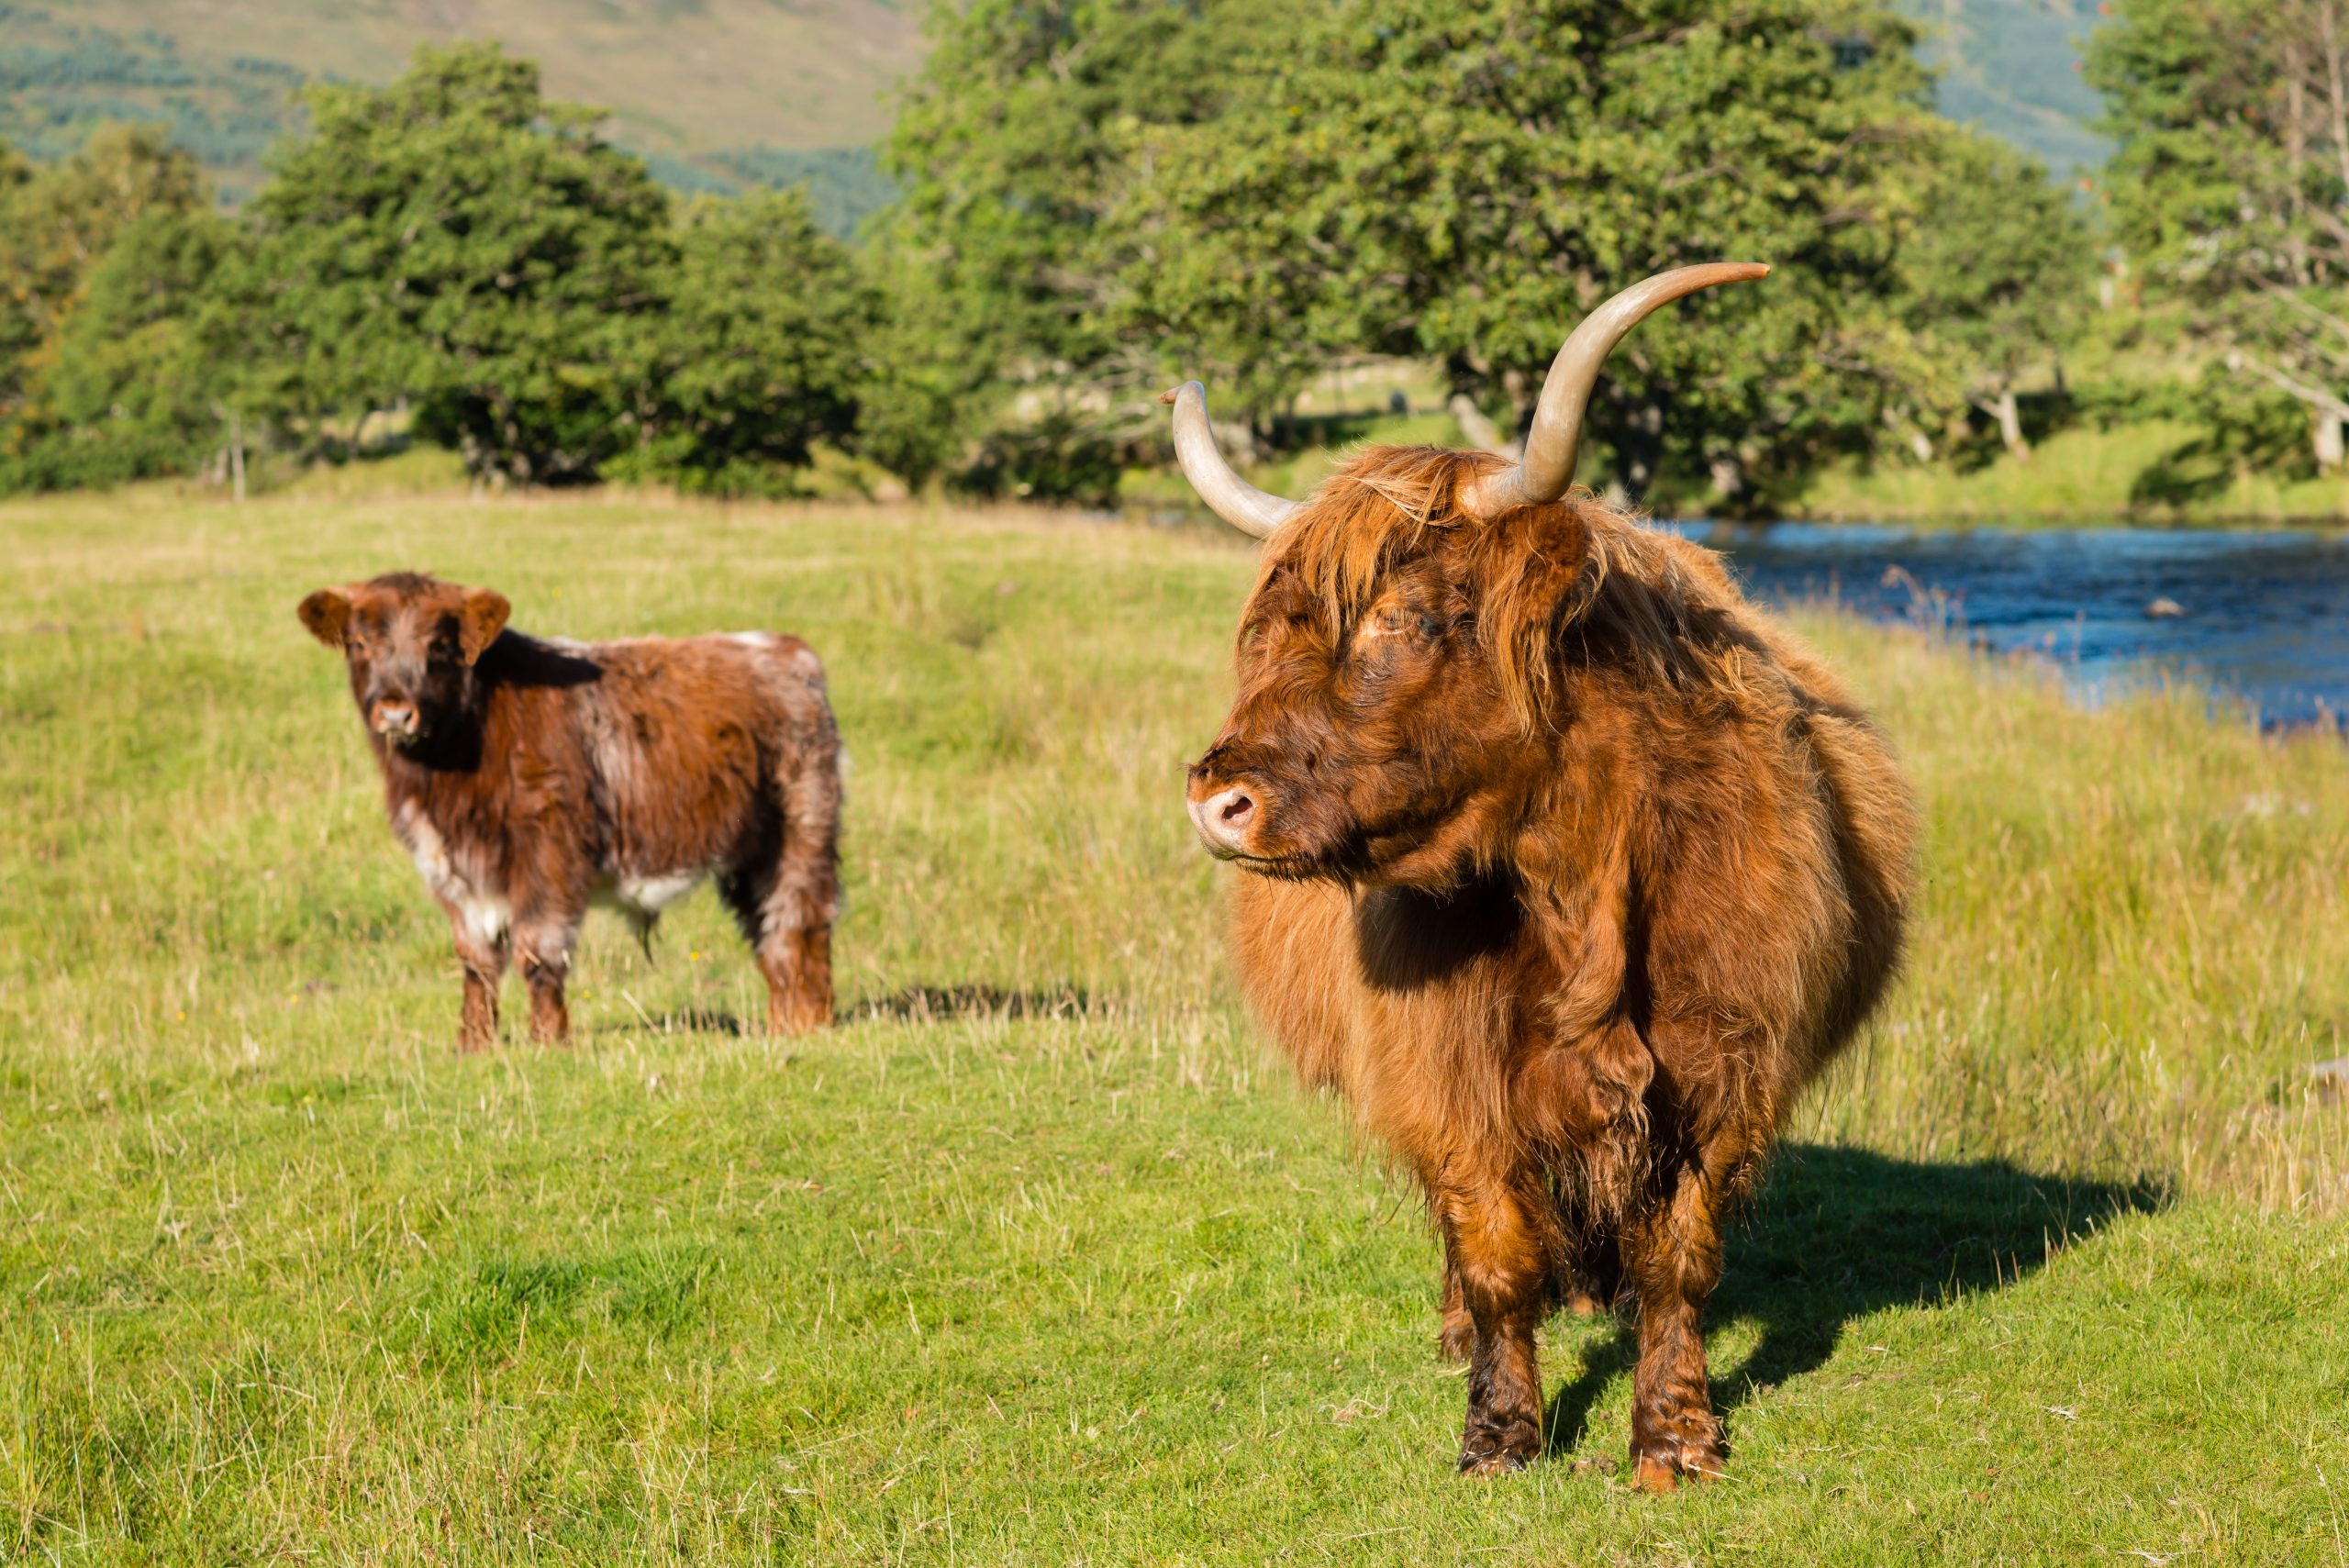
(641,898)
(751,639)
(484,913)
(485,917)
(654,894)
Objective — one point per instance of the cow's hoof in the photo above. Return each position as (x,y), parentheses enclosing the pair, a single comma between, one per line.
(1495,1463)
(1499,1447)
(1690,1461)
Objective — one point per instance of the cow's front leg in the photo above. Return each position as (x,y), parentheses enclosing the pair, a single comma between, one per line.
(543,948)
(1504,1248)
(1457,1337)
(1674,1254)
(484,966)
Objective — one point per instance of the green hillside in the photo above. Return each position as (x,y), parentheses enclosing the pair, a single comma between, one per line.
(721,94)
(715,94)
(2013,66)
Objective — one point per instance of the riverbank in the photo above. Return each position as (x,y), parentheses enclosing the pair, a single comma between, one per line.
(2147,474)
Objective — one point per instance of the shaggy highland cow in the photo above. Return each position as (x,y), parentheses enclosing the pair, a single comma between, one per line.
(1567,866)
(532,778)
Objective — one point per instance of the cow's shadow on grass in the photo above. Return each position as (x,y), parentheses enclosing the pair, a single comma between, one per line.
(1839,1233)
(912,1004)
(681,1020)
(938,1004)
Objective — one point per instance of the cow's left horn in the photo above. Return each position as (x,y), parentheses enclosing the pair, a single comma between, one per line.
(1549,465)
(1230,497)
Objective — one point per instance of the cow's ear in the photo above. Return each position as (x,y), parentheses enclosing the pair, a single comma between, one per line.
(327,615)
(480,620)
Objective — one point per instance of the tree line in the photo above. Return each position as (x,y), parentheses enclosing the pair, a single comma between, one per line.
(1097,197)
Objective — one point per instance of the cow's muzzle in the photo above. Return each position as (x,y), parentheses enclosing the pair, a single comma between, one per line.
(1224,819)
(396,720)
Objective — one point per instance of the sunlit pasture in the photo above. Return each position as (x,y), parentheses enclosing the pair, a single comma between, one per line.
(1038,1256)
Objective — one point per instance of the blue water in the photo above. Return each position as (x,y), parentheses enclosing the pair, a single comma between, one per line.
(2265,614)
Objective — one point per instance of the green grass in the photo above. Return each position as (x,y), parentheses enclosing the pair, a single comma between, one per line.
(1038,1258)
(2082,474)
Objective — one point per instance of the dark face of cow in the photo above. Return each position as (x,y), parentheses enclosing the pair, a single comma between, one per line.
(410,643)
(1379,741)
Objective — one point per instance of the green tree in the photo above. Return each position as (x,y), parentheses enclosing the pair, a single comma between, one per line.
(457,239)
(1440,178)
(2232,181)
(1993,280)
(1014,151)
(1463,180)
(149,348)
(57,222)
(758,350)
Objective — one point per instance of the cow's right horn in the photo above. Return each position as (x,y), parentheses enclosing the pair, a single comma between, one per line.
(1230,497)
(1549,465)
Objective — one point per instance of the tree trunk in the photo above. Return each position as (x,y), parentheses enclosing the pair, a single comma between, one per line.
(237,457)
(2004,410)
(2325,435)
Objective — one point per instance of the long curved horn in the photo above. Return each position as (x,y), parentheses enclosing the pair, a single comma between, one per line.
(1230,497)
(1549,465)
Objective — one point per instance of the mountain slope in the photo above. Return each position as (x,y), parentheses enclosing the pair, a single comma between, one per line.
(721,93)
(703,88)
(2013,66)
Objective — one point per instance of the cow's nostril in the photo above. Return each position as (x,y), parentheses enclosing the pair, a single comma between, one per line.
(1236,810)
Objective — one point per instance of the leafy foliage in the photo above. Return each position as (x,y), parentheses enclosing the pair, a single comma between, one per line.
(1016,153)
(2230,183)
(1447,181)
(56,223)
(456,238)
(1995,273)
(758,354)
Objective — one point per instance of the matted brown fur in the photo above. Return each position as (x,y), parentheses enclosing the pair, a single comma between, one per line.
(530,778)
(1569,869)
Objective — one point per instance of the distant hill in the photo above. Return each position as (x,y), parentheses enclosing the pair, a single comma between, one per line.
(2013,66)
(715,93)
(718,95)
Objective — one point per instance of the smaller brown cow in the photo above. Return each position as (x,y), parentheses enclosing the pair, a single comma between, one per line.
(531,777)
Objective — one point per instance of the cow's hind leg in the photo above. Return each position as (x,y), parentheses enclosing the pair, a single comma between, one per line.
(785,892)
(1503,1245)
(1674,1252)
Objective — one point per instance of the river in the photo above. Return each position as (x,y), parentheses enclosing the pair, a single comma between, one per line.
(2263,616)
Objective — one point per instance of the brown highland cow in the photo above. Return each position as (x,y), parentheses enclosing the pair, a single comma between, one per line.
(1567,866)
(530,777)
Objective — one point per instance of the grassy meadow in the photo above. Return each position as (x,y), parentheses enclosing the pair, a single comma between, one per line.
(1038,1258)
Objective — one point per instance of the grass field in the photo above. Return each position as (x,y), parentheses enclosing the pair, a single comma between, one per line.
(2082,474)
(1037,1257)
